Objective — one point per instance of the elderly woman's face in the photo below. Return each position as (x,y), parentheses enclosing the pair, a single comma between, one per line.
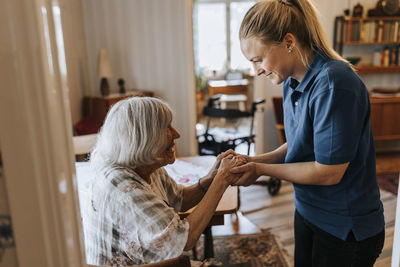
(168,152)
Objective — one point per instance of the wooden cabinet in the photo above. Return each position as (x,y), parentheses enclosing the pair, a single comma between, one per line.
(385,117)
(98,106)
(380,36)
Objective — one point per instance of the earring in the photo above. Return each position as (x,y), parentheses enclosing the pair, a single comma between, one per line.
(290,50)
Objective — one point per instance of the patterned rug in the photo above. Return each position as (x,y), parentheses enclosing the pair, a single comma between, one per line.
(253,250)
(388,181)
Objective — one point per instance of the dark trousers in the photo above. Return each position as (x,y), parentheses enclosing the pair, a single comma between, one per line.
(317,248)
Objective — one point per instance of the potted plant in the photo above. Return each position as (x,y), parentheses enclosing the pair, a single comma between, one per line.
(201,86)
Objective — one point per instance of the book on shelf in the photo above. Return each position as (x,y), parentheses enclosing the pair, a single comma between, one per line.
(371,30)
(390,56)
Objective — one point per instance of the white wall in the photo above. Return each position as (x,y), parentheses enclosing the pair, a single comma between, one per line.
(75,54)
(149,43)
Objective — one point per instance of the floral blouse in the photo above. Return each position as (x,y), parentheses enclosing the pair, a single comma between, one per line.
(127,221)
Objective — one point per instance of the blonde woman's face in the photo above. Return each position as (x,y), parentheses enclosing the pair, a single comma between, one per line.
(273,61)
(168,152)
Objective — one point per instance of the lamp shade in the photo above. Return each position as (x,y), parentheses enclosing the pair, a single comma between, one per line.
(104,64)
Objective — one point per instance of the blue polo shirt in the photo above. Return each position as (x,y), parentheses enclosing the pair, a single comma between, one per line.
(326,119)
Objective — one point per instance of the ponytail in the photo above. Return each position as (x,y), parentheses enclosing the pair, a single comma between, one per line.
(270,21)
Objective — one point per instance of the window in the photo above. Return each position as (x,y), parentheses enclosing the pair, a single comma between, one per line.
(216,30)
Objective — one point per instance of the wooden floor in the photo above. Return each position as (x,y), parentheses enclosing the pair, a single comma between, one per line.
(258,208)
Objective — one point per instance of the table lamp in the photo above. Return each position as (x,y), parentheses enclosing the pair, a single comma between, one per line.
(104,72)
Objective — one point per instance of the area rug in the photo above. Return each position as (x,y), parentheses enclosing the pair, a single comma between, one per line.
(388,182)
(246,250)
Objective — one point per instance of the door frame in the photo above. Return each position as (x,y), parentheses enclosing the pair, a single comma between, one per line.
(36,142)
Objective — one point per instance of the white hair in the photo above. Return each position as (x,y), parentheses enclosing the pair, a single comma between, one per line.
(132,134)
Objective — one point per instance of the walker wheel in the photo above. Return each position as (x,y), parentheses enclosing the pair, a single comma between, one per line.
(274,185)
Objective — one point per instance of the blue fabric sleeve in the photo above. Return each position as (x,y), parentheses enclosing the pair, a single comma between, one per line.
(338,120)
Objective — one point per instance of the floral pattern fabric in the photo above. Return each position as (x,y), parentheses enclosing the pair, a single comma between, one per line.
(127,221)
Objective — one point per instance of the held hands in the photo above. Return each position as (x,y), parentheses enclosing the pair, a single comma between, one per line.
(247,173)
(237,169)
(227,163)
(214,169)
(217,163)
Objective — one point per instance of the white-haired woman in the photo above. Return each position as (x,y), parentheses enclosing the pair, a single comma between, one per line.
(132,216)
(329,155)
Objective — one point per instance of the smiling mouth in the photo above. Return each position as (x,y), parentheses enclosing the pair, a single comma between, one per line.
(170,148)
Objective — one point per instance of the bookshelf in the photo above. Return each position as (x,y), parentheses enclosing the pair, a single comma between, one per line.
(377,41)
(377,69)
(381,35)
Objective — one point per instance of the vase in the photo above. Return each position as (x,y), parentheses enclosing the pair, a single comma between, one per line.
(104,87)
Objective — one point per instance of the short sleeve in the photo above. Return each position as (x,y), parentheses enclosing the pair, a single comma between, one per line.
(338,121)
(153,231)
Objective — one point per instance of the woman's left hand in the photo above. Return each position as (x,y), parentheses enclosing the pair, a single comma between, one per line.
(227,164)
(248,174)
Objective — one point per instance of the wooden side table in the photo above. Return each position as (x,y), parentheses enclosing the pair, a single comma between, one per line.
(98,106)
(233,87)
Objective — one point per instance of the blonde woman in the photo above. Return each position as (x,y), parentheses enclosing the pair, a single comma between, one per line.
(329,155)
(132,216)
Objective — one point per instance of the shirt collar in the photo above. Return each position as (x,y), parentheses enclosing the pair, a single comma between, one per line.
(317,62)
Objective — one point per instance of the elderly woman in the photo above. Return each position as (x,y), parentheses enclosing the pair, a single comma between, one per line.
(132,216)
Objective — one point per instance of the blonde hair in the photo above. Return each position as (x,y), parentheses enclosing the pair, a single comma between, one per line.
(133,133)
(270,21)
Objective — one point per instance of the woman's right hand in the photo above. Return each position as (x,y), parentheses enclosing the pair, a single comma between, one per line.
(247,173)
(217,163)
(228,163)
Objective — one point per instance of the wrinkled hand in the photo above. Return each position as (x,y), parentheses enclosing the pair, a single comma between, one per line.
(244,157)
(247,172)
(217,162)
(227,164)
